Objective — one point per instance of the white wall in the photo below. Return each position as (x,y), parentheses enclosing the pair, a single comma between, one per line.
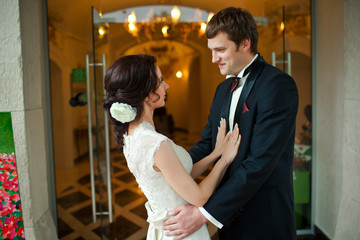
(349,211)
(329,122)
(337,128)
(21,68)
(336,121)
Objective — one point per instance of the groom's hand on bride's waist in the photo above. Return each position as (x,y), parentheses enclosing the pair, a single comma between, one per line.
(186,220)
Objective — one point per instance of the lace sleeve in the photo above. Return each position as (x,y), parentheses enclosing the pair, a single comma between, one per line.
(152,143)
(142,153)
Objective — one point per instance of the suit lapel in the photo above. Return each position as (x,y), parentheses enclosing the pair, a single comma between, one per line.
(255,71)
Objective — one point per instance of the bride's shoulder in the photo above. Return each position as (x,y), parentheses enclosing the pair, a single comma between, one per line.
(146,131)
(144,141)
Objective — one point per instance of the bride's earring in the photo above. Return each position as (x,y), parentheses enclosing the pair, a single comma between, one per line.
(148,101)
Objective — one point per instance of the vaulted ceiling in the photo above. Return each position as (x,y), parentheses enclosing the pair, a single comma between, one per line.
(75,16)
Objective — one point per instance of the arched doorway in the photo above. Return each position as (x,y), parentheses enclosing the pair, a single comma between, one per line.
(200,78)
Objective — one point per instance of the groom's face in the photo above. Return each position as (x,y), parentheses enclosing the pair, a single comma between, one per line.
(229,58)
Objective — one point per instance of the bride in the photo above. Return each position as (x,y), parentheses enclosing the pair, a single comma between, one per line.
(164,171)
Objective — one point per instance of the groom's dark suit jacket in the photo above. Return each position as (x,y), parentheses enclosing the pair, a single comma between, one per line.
(254,201)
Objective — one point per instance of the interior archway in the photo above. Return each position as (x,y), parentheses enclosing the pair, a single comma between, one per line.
(189,98)
(173,57)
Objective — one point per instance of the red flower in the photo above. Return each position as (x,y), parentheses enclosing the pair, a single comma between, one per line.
(6,198)
(10,185)
(9,227)
(8,208)
(15,197)
(8,232)
(11,221)
(9,199)
(3,177)
(20,232)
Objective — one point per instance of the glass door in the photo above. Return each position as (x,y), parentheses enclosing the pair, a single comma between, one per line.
(180,46)
(99,141)
(284,41)
(175,36)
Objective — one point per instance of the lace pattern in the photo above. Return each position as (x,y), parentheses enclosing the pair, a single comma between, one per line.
(139,150)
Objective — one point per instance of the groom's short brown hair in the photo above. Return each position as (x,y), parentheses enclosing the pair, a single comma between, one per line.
(237,23)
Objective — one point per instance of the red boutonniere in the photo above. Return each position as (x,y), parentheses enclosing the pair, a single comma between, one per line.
(245,108)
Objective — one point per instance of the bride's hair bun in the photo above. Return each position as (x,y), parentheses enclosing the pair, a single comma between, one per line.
(129,80)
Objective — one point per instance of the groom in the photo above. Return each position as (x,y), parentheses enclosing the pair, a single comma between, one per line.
(254,201)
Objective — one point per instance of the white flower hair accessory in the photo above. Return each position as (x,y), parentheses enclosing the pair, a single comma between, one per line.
(122,112)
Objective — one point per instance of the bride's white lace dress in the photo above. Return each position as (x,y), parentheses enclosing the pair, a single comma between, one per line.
(139,150)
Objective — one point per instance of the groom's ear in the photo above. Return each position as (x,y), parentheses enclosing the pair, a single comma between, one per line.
(246,44)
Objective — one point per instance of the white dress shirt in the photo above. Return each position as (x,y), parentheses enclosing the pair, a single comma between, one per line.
(234,101)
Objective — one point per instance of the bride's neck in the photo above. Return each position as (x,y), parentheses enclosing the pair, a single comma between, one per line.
(147,116)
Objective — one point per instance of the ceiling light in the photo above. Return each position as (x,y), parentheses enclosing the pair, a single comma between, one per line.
(179,74)
(132,17)
(101,31)
(164,31)
(210,16)
(175,14)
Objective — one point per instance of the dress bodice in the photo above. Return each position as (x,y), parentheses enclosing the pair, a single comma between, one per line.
(139,149)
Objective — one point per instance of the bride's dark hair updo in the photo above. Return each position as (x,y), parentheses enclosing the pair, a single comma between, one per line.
(130,79)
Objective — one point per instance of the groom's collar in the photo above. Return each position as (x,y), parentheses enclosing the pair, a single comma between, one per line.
(241,73)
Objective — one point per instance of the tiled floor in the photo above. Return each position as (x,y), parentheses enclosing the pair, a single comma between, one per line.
(129,220)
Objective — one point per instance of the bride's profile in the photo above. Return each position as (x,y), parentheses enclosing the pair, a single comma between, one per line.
(163,170)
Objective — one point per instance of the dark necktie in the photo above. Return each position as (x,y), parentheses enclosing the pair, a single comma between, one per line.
(235,83)
(236,80)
